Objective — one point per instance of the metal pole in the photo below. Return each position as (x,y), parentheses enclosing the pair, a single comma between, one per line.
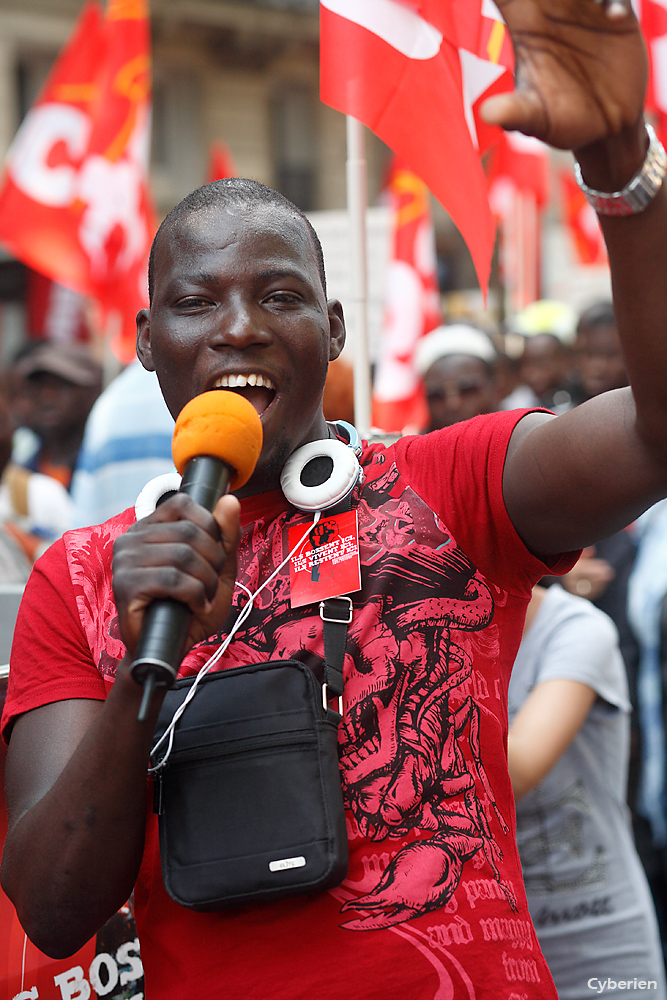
(356,206)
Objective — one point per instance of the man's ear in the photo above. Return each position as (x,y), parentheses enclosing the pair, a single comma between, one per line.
(144,339)
(336,328)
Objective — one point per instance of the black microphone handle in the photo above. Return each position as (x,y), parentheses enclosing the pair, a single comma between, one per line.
(166,622)
(206,479)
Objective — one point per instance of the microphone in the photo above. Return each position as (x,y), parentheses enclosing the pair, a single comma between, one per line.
(217,441)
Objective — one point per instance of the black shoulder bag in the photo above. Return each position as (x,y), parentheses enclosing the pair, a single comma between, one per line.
(249,802)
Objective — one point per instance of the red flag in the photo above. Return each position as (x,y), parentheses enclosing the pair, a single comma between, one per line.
(416,73)
(582,223)
(74,200)
(653,18)
(518,190)
(412,305)
(524,161)
(220,163)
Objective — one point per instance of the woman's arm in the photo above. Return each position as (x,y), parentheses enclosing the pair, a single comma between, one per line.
(543,728)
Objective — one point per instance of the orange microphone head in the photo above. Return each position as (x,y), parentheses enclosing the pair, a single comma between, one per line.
(222,424)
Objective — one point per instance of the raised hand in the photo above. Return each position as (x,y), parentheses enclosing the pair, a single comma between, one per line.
(580,70)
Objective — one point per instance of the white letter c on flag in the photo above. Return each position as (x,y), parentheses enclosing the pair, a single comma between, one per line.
(27,159)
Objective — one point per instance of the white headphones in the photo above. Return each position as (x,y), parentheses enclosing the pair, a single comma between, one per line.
(345,474)
(154,491)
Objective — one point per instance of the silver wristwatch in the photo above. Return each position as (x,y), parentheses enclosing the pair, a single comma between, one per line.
(639,192)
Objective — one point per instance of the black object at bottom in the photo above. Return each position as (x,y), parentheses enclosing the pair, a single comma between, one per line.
(250,802)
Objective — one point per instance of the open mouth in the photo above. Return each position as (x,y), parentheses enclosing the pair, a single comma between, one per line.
(257,389)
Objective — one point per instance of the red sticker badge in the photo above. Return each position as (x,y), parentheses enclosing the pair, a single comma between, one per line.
(327,564)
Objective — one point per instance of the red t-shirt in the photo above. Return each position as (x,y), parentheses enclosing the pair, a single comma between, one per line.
(433,905)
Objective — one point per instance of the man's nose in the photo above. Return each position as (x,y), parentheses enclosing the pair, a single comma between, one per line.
(241,324)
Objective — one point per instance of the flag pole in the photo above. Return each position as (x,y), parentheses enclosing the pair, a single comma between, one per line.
(356,207)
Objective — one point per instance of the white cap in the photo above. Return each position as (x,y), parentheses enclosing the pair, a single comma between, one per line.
(455,339)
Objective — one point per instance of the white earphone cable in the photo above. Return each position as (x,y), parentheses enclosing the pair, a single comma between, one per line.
(221,650)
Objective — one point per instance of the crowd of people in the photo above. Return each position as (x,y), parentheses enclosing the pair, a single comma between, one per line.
(459,535)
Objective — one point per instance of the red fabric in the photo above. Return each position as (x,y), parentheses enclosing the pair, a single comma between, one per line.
(412,304)
(524,161)
(415,94)
(74,202)
(433,905)
(582,223)
(492,544)
(653,20)
(220,162)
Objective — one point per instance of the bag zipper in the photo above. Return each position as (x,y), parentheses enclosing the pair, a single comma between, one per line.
(301,737)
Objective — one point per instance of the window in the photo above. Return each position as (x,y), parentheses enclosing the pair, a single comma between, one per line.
(294,144)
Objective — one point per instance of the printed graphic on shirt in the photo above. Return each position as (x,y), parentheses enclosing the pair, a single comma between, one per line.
(414,780)
(561,847)
(410,748)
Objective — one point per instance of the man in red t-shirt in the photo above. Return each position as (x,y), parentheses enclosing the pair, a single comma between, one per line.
(454,528)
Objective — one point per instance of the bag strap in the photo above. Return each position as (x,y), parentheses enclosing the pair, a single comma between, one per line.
(336,615)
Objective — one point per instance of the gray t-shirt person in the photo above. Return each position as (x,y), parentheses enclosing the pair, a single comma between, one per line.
(586,888)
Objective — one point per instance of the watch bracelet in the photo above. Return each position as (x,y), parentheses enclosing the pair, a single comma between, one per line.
(639,192)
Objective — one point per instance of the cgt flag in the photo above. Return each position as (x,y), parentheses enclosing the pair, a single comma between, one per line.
(415,73)
(412,305)
(74,200)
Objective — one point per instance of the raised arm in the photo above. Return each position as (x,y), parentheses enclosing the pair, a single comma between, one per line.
(581,72)
(76,770)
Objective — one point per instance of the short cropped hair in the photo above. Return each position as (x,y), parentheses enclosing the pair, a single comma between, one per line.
(235,192)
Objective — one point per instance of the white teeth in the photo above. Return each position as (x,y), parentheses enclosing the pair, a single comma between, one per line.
(240,381)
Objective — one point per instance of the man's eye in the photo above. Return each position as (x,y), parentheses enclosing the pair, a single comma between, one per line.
(283,297)
(193,302)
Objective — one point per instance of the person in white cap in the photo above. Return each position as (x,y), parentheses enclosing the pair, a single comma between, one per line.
(458,367)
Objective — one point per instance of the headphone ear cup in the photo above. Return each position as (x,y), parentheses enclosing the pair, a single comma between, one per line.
(344,477)
(153,492)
